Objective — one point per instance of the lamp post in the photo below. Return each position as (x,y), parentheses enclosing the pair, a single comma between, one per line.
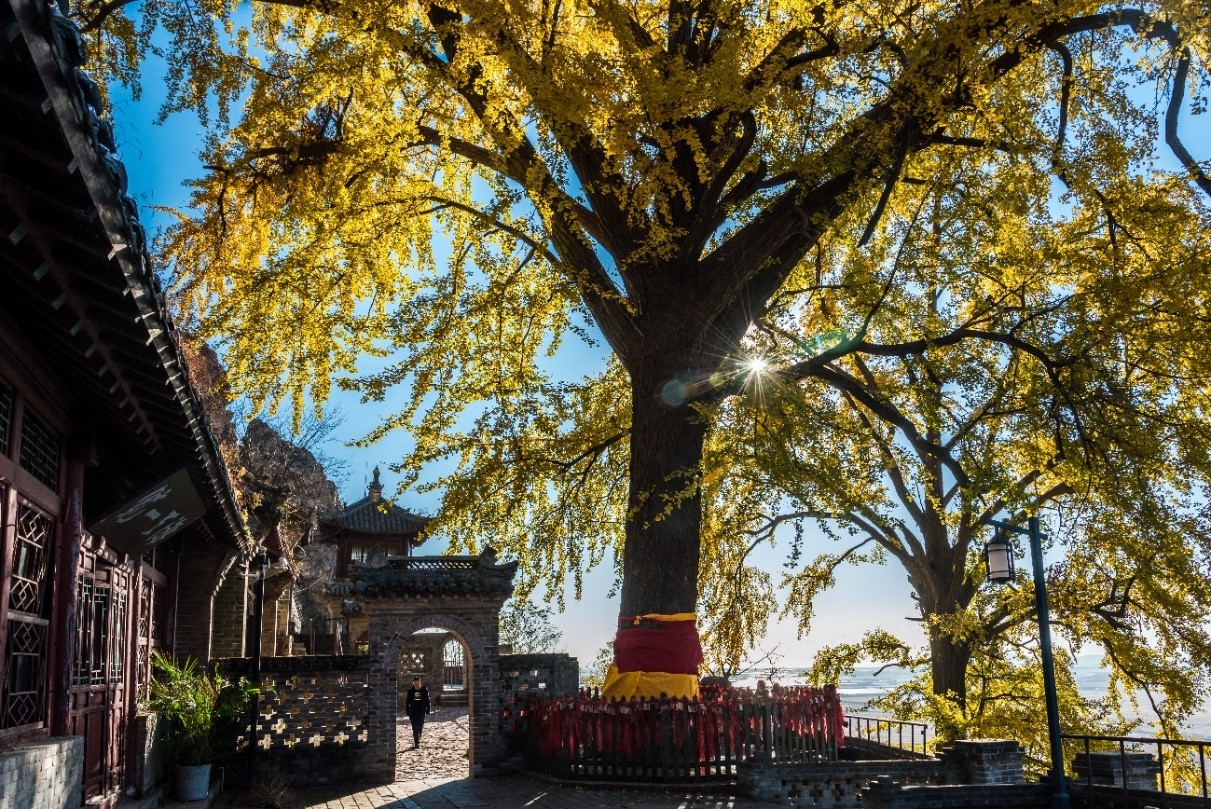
(999,554)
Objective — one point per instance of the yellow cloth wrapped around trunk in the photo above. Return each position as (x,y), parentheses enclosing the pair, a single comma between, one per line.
(645,684)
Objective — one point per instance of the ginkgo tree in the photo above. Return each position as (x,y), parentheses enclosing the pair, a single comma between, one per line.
(1005,366)
(654,171)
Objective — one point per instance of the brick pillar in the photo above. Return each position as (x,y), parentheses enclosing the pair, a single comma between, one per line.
(203,565)
(378,763)
(761,780)
(488,753)
(983,761)
(231,612)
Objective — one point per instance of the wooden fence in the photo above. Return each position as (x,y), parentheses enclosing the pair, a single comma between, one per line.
(681,740)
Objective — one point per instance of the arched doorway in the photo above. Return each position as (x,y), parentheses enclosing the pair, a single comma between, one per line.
(483,695)
(461,595)
(439,657)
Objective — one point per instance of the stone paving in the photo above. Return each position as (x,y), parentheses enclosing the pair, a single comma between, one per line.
(435,777)
(443,750)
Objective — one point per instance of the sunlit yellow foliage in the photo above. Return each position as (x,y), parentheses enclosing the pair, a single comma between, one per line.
(424,201)
(991,352)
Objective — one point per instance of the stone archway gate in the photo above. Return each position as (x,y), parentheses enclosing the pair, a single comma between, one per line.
(462,594)
(327,719)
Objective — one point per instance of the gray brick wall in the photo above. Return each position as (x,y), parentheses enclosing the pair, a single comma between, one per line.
(983,761)
(45,774)
(885,793)
(979,772)
(1139,770)
(837,784)
(230,624)
(210,591)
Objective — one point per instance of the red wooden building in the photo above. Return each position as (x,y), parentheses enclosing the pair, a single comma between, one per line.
(120,533)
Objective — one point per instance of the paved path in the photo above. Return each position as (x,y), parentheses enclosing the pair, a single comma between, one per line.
(443,751)
(435,777)
(511,792)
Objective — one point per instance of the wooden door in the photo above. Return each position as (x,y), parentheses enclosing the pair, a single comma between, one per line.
(98,696)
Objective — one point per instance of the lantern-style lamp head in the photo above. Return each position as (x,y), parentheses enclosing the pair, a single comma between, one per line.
(998,553)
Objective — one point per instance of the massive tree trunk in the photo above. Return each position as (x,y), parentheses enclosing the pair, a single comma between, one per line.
(657,635)
(660,566)
(949,666)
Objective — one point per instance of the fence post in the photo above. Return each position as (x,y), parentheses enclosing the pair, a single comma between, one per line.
(665,738)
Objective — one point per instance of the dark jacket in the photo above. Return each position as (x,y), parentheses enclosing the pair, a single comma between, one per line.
(417,701)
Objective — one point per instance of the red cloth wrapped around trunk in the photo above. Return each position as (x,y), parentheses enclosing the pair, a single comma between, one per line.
(671,647)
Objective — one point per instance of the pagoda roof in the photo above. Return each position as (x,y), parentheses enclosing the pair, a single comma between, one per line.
(374,514)
(381,516)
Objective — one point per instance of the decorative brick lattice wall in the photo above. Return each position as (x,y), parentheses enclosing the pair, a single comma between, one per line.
(314,724)
(44,774)
(314,709)
(523,676)
(550,675)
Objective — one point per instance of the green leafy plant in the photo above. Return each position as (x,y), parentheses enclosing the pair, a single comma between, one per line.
(196,705)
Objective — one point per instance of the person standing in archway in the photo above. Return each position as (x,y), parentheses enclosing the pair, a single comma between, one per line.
(416,705)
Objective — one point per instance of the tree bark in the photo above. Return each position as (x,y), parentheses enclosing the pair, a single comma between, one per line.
(948,664)
(660,561)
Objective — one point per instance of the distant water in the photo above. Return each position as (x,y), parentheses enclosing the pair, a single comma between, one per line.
(864,684)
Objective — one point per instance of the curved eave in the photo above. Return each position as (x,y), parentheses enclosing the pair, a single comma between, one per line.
(105,326)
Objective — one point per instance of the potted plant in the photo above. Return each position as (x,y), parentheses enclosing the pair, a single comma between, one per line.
(194,705)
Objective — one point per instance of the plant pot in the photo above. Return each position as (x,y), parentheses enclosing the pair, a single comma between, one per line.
(192,782)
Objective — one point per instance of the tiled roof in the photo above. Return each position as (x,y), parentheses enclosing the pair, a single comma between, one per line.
(381,516)
(78,283)
(427,576)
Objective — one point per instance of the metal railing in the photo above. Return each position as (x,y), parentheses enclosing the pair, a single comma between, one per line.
(912,737)
(1132,771)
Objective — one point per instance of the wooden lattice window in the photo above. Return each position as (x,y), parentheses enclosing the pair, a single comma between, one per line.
(39,450)
(6,419)
(100,630)
(92,605)
(23,700)
(115,635)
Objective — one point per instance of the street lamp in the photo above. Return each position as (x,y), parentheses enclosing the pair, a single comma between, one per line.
(999,555)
